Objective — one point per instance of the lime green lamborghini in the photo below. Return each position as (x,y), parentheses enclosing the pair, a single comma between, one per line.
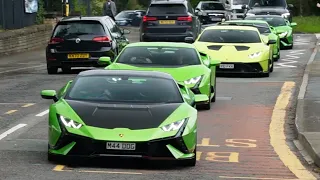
(188,66)
(265,30)
(123,113)
(240,49)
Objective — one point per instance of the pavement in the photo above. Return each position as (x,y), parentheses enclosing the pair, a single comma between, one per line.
(247,134)
(308,108)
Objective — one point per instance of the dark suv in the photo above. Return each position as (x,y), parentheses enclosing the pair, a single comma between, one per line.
(81,41)
(169,20)
(268,7)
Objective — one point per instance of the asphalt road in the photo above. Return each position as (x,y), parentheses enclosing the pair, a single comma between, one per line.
(241,137)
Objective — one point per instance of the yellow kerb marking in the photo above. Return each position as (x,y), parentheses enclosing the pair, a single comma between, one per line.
(58,168)
(277,136)
(11,111)
(257,178)
(28,105)
(206,143)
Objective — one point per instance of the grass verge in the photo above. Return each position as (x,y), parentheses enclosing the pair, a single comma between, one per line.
(308,24)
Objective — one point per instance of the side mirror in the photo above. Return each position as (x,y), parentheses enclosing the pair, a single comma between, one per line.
(189,40)
(104,61)
(125,31)
(201,98)
(293,24)
(244,6)
(271,41)
(214,62)
(290,6)
(49,94)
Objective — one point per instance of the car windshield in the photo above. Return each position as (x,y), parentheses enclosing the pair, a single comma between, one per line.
(262,27)
(240,2)
(159,56)
(69,29)
(126,15)
(155,9)
(124,89)
(272,21)
(230,36)
(212,6)
(264,3)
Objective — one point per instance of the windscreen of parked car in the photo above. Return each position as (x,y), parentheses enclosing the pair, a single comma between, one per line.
(155,9)
(212,6)
(159,56)
(240,2)
(272,21)
(124,89)
(265,3)
(230,36)
(70,29)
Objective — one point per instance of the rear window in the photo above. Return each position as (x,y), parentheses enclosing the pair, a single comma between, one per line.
(212,6)
(159,56)
(263,28)
(167,9)
(76,28)
(230,36)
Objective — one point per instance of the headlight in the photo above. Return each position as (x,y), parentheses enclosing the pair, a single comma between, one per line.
(173,126)
(254,55)
(70,123)
(193,80)
(283,34)
(285,15)
(250,14)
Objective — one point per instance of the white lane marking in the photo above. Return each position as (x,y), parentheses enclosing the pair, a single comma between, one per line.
(289,60)
(5,134)
(43,113)
(18,69)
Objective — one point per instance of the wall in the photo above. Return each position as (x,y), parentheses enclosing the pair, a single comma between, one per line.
(29,38)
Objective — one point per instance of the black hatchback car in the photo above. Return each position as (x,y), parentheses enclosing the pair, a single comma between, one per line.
(169,20)
(81,41)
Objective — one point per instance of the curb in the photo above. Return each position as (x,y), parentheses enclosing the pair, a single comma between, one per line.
(300,111)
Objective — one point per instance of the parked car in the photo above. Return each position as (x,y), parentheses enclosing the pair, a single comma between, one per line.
(81,41)
(212,12)
(268,7)
(130,17)
(169,20)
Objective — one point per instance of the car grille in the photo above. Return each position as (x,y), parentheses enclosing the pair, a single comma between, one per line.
(242,67)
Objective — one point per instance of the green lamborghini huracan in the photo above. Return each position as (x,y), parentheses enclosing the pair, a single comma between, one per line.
(183,61)
(123,113)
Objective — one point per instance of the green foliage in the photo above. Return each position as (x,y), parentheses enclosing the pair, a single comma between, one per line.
(308,24)
(133,4)
(79,6)
(96,7)
(40,13)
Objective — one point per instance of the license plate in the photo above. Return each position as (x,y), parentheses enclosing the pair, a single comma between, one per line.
(78,56)
(167,22)
(215,19)
(227,66)
(121,146)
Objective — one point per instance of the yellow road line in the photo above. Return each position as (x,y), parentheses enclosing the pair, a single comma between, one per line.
(11,111)
(257,178)
(28,105)
(58,168)
(110,172)
(277,136)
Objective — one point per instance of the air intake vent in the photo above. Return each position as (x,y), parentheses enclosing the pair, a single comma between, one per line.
(242,48)
(216,48)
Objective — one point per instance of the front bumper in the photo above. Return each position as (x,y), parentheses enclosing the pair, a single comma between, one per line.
(257,67)
(286,41)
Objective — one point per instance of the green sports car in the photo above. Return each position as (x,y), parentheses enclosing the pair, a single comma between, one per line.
(188,66)
(123,113)
(240,49)
(264,29)
(282,26)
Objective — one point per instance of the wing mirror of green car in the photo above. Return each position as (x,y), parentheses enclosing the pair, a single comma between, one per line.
(214,62)
(293,24)
(271,41)
(201,98)
(49,94)
(189,40)
(104,61)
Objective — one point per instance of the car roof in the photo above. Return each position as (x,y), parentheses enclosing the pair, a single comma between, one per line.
(247,21)
(232,27)
(79,18)
(211,2)
(102,72)
(167,44)
(168,1)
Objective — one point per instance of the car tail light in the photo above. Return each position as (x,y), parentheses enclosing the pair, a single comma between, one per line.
(102,39)
(186,18)
(147,18)
(55,40)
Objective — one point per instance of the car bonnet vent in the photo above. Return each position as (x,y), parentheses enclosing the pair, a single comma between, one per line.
(214,47)
(242,48)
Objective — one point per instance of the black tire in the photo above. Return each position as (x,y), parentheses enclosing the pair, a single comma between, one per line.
(207,106)
(66,70)
(215,90)
(290,47)
(52,70)
(271,69)
(191,162)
